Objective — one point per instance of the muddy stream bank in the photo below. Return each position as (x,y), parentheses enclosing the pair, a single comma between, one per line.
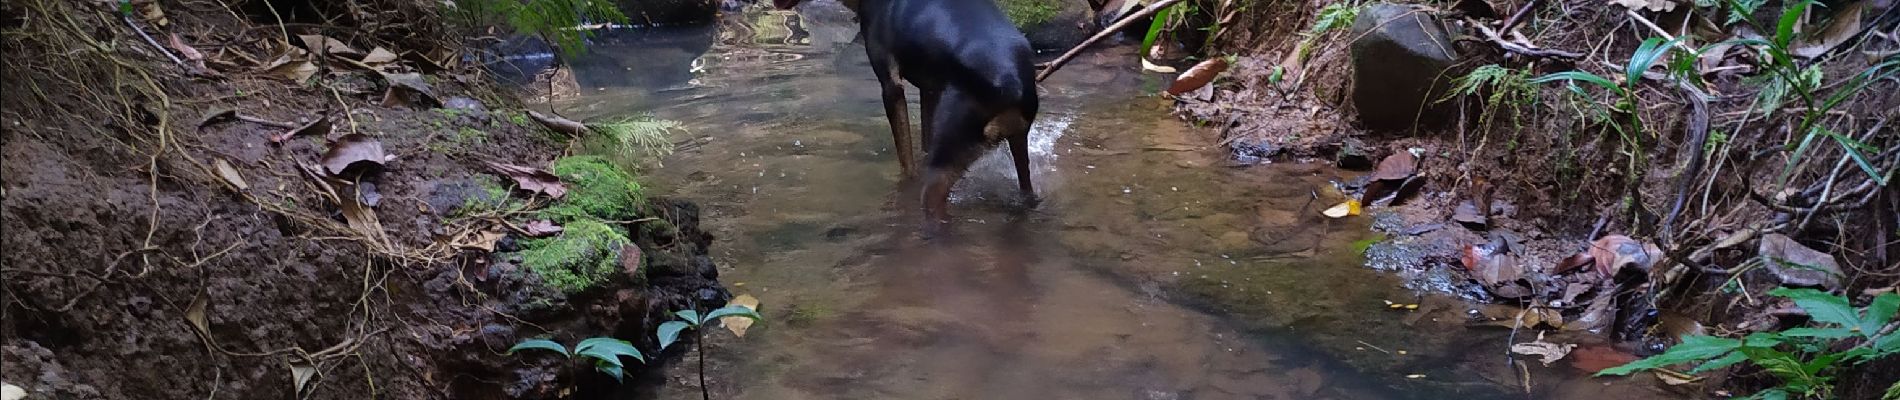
(1155,268)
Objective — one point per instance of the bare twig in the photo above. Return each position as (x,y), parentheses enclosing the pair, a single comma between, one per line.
(1514,47)
(154,43)
(1517,17)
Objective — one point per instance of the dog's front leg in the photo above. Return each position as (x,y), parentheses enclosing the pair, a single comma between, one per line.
(896,111)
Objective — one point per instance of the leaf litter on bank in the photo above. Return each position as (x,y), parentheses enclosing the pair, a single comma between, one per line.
(293,65)
(1614,252)
(319,126)
(1799,265)
(408,89)
(230,175)
(353,155)
(534,180)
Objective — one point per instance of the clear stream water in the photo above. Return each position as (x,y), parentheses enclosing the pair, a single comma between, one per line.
(1153,269)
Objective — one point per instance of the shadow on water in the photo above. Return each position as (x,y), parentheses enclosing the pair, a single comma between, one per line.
(1151,270)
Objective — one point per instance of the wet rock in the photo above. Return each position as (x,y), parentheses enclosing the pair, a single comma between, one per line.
(1051,24)
(1398,64)
(1353,156)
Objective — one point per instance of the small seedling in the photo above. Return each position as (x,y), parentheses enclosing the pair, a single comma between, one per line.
(669,332)
(605,352)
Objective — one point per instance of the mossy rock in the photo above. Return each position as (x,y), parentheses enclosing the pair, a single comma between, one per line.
(1028,13)
(585,255)
(595,189)
(1050,24)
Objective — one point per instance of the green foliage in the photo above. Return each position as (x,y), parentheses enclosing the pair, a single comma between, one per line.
(1804,367)
(669,332)
(1027,13)
(1623,113)
(595,189)
(1161,21)
(553,20)
(1500,87)
(584,255)
(633,136)
(1331,18)
(491,198)
(604,351)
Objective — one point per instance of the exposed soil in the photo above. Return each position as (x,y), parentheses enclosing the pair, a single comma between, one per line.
(123,226)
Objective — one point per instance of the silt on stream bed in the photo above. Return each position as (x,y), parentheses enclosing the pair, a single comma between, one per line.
(1153,269)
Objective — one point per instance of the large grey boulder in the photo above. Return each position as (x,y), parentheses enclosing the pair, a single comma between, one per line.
(1399,65)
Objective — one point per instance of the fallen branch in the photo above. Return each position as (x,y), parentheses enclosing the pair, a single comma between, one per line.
(1698,140)
(1517,17)
(1111,30)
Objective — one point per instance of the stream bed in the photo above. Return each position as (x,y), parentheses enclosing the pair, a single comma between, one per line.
(1154,268)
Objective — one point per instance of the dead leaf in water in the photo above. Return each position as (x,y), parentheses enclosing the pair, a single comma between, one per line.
(558,124)
(533,180)
(356,153)
(230,175)
(1198,76)
(541,228)
(1546,352)
(737,324)
(320,126)
(1594,358)
(1342,210)
(1497,271)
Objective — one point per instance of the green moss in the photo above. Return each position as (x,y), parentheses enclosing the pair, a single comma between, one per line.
(1027,13)
(584,255)
(596,189)
(492,198)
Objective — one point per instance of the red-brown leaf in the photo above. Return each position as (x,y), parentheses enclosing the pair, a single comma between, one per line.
(1396,167)
(1198,76)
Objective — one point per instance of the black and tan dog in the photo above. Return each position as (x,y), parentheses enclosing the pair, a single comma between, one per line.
(972,67)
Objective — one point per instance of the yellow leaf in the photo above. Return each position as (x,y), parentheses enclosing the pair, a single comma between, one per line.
(1151,67)
(1342,210)
(737,324)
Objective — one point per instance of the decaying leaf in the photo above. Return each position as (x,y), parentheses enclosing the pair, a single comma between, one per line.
(484,240)
(1574,262)
(1546,352)
(541,228)
(1396,167)
(1198,76)
(1651,5)
(360,215)
(230,174)
(319,126)
(354,153)
(558,124)
(1152,67)
(407,89)
(1342,210)
(737,324)
(1845,25)
(379,56)
(1673,378)
(326,45)
(1614,252)
(192,56)
(300,375)
(1798,265)
(294,65)
(1467,213)
(149,11)
(1496,270)
(1593,358)
(531,179)
(195,314)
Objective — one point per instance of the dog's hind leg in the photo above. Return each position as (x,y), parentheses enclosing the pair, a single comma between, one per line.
(959,142)
(1015,127)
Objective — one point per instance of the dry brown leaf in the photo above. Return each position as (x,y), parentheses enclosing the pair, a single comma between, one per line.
(326,45)
(1845,25)
(320,126)
(558,124)
(736,324)
(216,115)
(354,153)
(531,179)
(1467,213)
(194,58)
(195,314)
(1614,252)
(294,65)
(360,216)
(1396,167)
(378,56)
(300,375)
(484,241)
(230,174)
(407,89)
(1198,76)
(630,260)
(1574,262)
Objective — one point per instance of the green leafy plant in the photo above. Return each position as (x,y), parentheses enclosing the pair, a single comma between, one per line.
(642,134)
(669,333)
(1161,21)
(604,351)
(1622,114)
(1801,358)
